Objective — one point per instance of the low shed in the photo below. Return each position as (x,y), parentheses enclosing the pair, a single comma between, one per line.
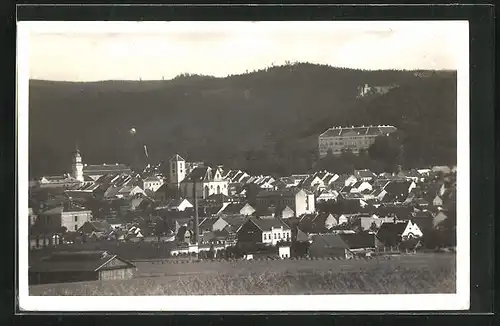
(80,266)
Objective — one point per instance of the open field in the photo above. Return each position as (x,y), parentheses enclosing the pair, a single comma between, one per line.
(420,273)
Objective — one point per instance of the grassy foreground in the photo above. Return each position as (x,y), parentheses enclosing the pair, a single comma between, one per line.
(438,279)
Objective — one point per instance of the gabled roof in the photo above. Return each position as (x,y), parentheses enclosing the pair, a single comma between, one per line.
(208,222)
(329,241)
(279,193)
(268,224)
(64,207)
(100,226)
(151,179)
(177,158)
(78,261)
(233,208)
(200,173)
(358,240)
(390,233)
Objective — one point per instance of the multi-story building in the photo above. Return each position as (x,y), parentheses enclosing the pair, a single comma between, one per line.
(336,139)
(67,215)
(299,200)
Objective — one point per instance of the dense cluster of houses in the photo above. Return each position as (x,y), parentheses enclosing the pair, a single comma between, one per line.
(356,213)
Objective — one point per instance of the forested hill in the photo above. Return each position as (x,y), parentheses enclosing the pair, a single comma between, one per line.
(264,121)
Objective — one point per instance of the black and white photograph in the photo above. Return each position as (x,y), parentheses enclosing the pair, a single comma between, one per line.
(237,165)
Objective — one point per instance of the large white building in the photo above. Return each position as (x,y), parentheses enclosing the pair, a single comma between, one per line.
(336,139)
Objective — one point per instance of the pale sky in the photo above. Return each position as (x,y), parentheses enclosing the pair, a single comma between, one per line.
(91,51)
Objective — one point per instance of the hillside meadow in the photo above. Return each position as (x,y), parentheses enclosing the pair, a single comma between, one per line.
(421,273)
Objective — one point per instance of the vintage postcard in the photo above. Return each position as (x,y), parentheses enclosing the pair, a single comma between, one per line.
(243,166)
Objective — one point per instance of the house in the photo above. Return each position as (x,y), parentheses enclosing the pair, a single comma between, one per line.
(80,266)
(286,182)
(95,227)
(312,183)
(329,179)
(441,169)
(437,201)
(67,215)
(211,224)
(350,181)
(369,222)
(364,175)
(284,251)
(378,194)
(266,182)
(243,209)
(424,172)
(420,202)
(424,219)
(266,231)
(439,218)
(208,181)
(233,224)
(58,181)
(179,205)
(286,213)
(185,234)
(398,191)
(393,234)
(342,245)
(152,183)
(317,223)
(327,195)
(160,194)
(413,175)
(97,171)
(116,223)
(299,200)
(361,186)
(343,219)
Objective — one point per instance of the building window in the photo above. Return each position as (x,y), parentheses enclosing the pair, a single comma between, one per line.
(275,236)
(76,218)
(265,236)
(76,227)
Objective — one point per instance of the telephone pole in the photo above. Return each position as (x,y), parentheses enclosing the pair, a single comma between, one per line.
(195,198)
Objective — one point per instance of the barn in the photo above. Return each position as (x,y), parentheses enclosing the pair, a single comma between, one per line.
(80,266)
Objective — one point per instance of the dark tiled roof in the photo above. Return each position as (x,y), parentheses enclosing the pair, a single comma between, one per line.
(106,168)
(329,241)
(359,240)
(77,261)
(177,158)
(390,233)
(369,130)
(267,224)
(199,173)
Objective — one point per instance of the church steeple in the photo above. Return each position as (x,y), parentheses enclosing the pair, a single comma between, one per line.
(77,166)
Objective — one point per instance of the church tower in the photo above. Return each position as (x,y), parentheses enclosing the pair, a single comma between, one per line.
(177,172)
(77,166)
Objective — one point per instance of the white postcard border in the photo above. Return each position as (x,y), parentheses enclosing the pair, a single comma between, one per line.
(405,302)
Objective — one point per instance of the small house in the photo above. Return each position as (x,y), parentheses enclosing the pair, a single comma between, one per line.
(393,234)
(80,266)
